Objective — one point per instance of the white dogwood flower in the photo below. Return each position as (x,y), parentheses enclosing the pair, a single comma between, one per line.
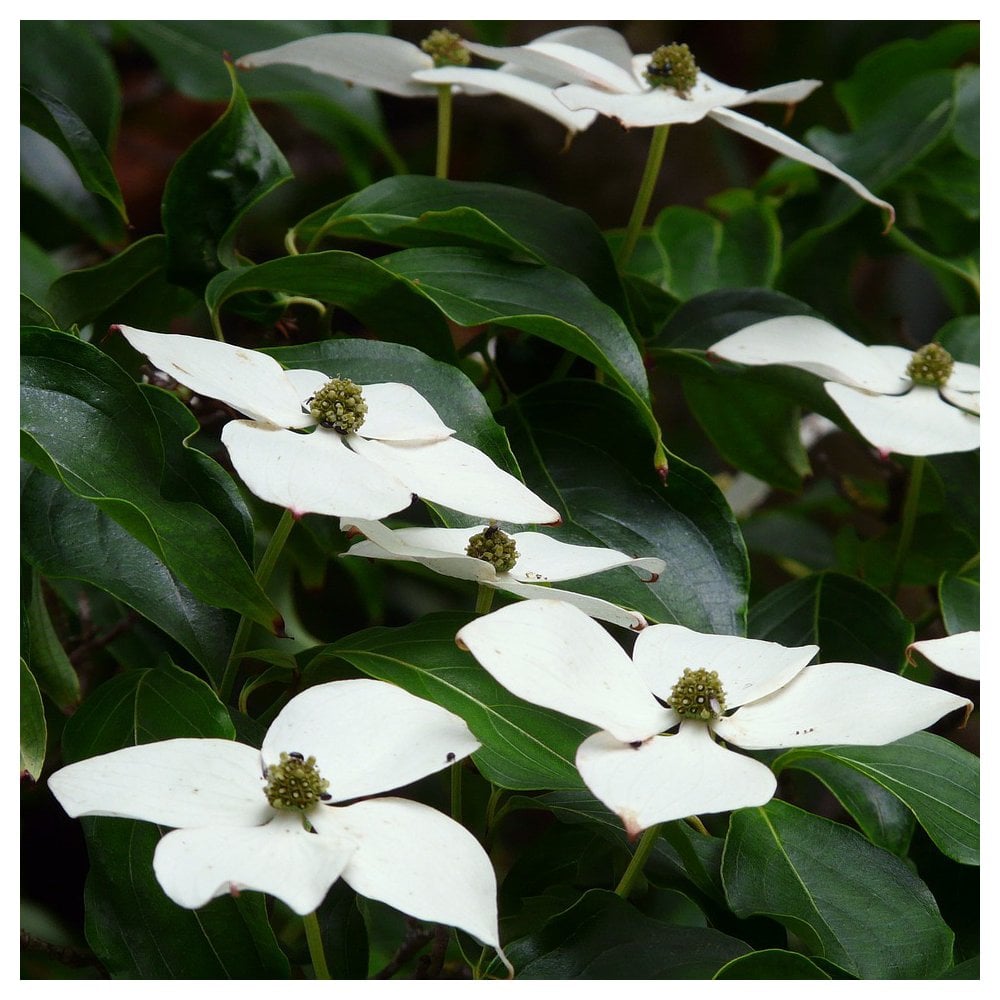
(552,654)
(911,403)
(371,448)
(398,67)
(616,83)
(521,563)
(958,653)
(267,819)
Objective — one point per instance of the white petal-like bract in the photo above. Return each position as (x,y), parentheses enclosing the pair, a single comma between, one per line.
(958,653)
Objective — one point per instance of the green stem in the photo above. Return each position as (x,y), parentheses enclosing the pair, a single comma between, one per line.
(444,130)
(645,193)
(320,968)
(696,822)
(456,791)
(262,574)
(635,866)
(910,505)
(484,599)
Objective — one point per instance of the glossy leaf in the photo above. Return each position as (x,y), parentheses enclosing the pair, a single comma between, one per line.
(220,176)
(86,423)
(771,963)
(850,621)
(583,449)
(385,303)
(524,746)
(33,730)
(457,401)
(412,211)
(59,123)
(134,929)
(64,536)
(933,777)
(38,271)
(960,338)
(472,287)
(49,662)
(847,901)
(959,596)
(604,937)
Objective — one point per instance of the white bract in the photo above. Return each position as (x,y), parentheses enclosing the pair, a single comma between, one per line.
(401,68)
(540,560)
(366,737)
(552,654)
(609,79)
(401,449)
(869,384)
(958,653)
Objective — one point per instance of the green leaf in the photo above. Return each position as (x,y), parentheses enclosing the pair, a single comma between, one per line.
(136,931)
(849,621)
(412,211)
(698,252)
(936,779)
(959,597)
(966,131)
(49,662)
(64,536)
(771,963)
(57,122)
(471,287)
(524,746)
(65,59)
(32,725)
(604,937)
(583,449)
(86,423)
(221,175)
(387,304)
(846,900)
(38,271)
(960,337)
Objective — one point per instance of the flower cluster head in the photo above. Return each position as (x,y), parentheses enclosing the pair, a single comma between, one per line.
(657,756)
(538,560)
(273,819)
(328,446)
(910,403)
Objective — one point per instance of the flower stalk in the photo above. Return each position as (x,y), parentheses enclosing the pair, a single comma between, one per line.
(635,866)
(910,505)
(650,174)
(315,940)
(444,101)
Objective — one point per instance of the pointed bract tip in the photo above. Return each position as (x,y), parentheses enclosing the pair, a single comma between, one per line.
(352,531)
(653,578)
(461,645)
(227,57)
(639,624)
(890,220)
(632,826)
(883,454)
(965,718)
(115,328)
(234,890)
(557,523)
(278,628)
(297,514)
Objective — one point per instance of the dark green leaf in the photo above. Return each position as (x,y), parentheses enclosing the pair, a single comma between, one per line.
(88,424)
(471,287)
(784,534)
(936,779)
(583,449)
(964,970)
(38,271)
(849,621)
(345,938)
(64,536)
(524,746)
(49,662)
(226,171)
(453,396)
(382,301)
(959,596)
(59,123)
(771,963)
(413,211)
(604,937)
(32,725)
(134,929)
(846,900)
(32,314)
(960,337)
(966,130)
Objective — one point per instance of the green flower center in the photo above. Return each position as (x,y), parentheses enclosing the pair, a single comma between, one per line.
(672,66)
(931,365)
(698,695)
(294,783)
(446,48)
(340,404)
(495,547)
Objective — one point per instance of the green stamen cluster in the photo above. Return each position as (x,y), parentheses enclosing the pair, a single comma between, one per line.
(931,365)
(698,695)
(294,783)
(672,66)
(495,547)
(340,404)
(446,48)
